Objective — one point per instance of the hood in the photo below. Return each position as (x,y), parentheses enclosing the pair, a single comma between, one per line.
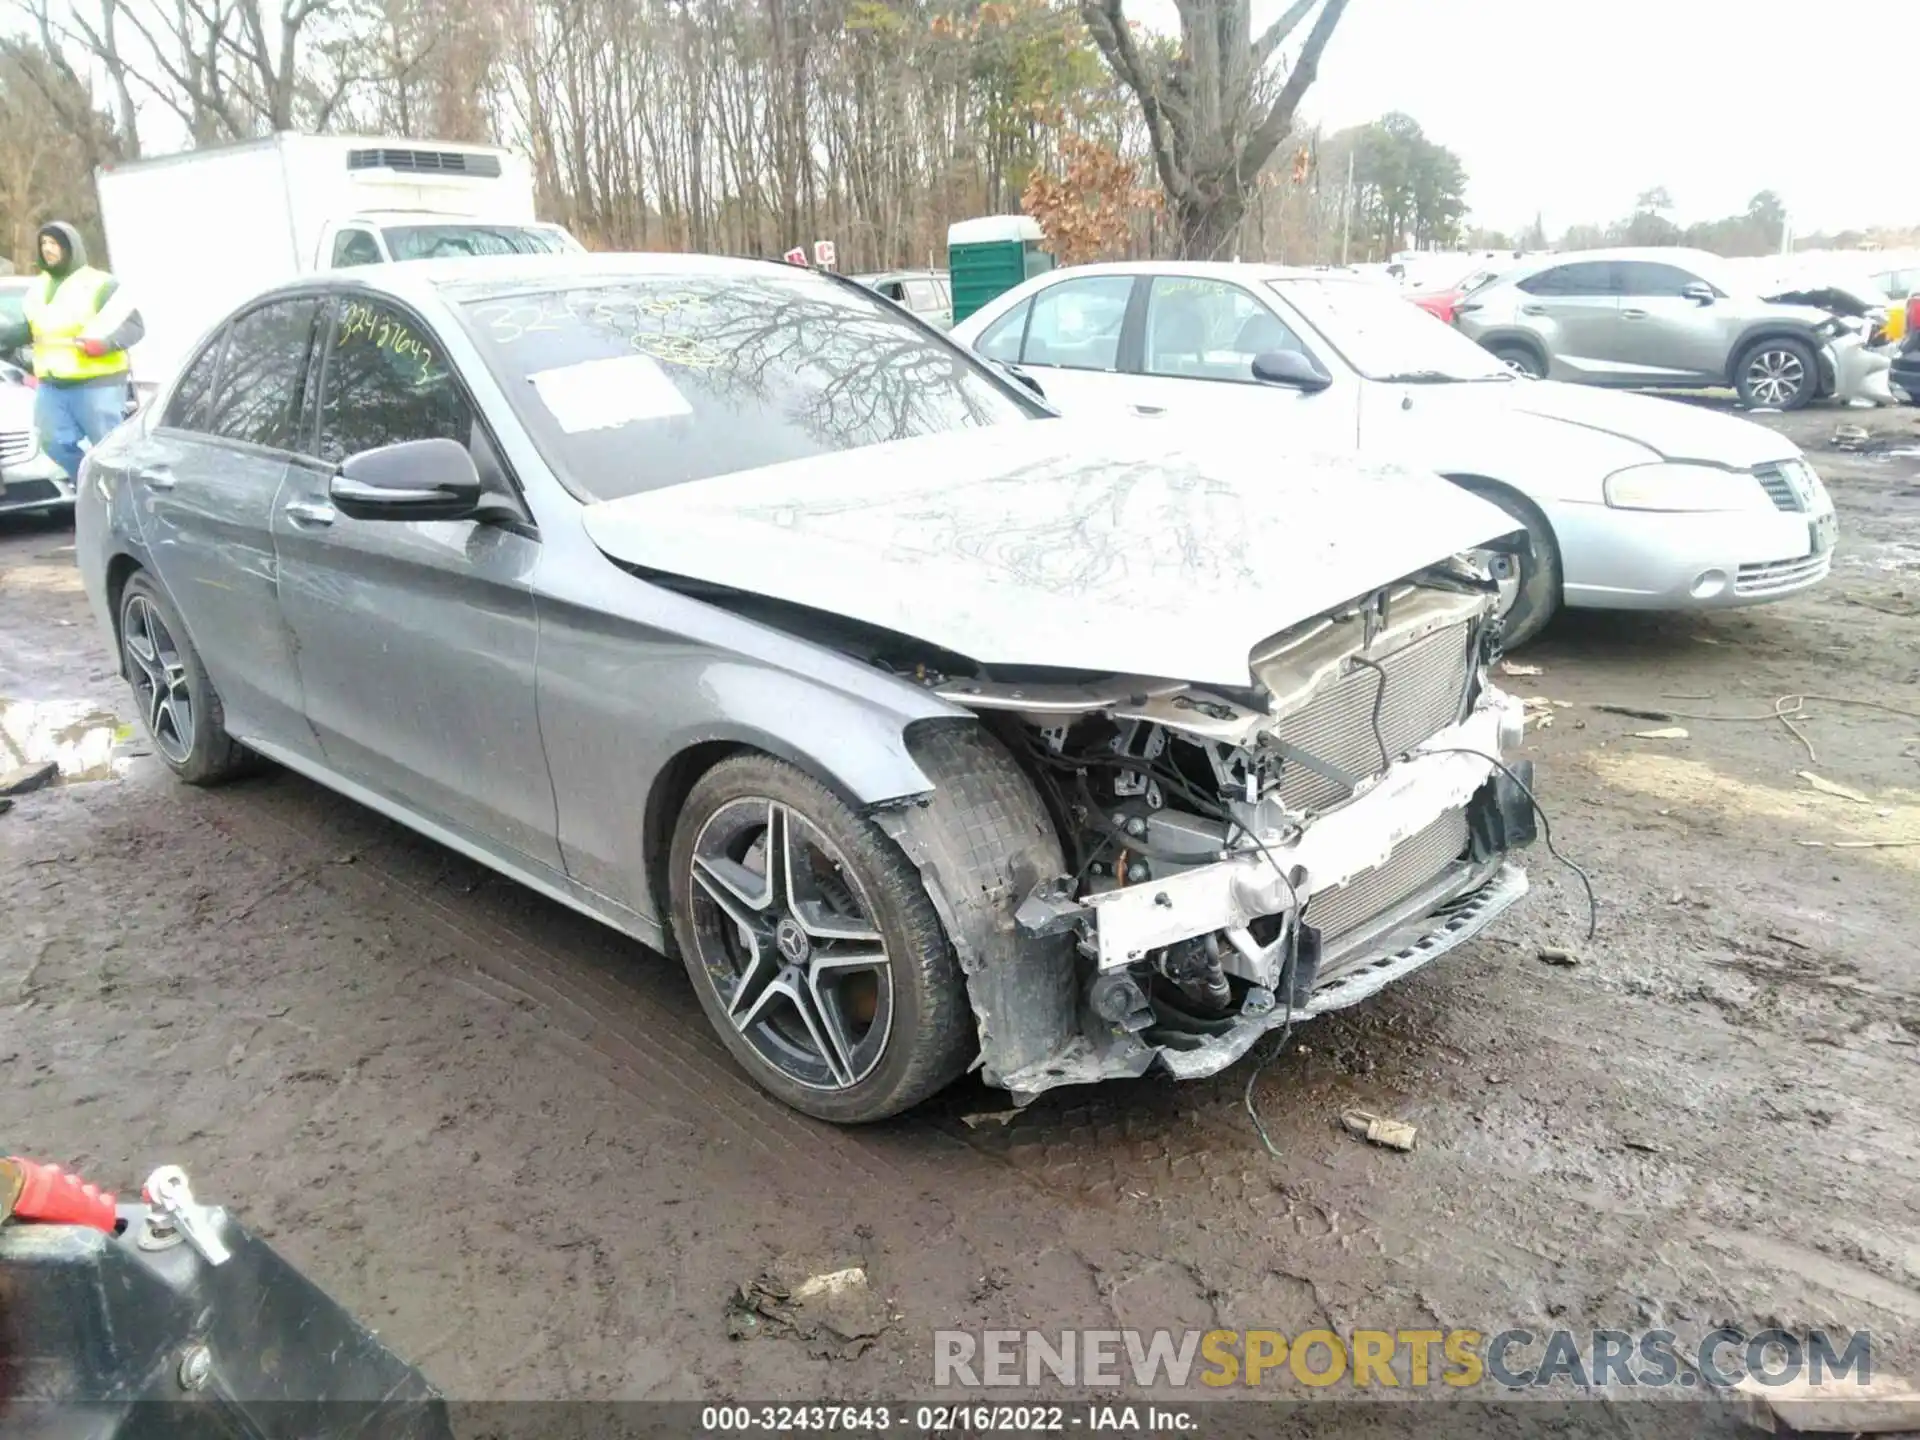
(69,237)
(1665,429)
(1111,547)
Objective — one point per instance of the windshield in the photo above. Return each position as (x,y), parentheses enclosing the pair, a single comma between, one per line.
(1384,336)
(432,242)
(639,383)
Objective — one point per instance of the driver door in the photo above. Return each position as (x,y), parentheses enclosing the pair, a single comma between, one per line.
(415,638)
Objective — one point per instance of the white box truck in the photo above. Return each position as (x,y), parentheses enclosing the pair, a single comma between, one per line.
(194,234)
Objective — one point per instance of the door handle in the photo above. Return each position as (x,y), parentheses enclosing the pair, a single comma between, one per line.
(159,478)
(1633,314)
(310,512)
(1148,409)
(1533,309)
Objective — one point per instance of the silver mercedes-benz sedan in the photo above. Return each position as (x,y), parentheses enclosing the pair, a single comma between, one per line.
(727,603)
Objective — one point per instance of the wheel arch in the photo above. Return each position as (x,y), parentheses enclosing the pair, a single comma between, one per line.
(1487,486)
(1514,335)
(861,782)
(121,568)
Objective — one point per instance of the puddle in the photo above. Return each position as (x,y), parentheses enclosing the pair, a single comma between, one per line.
(86,742)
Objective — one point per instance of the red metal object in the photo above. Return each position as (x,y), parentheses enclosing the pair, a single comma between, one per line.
(1438,303)
(57,1197)
(1913,315)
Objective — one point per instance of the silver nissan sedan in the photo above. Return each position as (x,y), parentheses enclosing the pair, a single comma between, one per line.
(731,605)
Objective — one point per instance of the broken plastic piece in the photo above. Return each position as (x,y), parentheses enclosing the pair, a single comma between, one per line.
(53,1196)
(1378,1129)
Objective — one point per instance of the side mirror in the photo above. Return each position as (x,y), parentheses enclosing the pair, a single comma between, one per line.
(1289,368)
(1699,292)
(414,480)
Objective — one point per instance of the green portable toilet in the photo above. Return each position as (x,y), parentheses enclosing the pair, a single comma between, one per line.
(990,255)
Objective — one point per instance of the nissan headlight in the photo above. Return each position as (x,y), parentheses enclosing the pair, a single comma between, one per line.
(1684,487)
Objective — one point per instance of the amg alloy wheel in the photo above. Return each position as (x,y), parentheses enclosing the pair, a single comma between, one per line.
(791,951)
(177,702)
(812,945)
(159,678)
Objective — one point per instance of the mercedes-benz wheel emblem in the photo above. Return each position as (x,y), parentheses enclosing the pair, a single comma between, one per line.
(792,941)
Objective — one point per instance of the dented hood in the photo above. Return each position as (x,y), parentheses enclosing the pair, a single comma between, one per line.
(1119,547)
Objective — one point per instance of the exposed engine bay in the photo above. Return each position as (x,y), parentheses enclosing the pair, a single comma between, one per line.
(1239,861)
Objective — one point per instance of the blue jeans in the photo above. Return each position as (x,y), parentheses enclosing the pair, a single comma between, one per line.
(67,414)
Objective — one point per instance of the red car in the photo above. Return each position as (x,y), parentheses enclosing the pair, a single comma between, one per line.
(1440,303)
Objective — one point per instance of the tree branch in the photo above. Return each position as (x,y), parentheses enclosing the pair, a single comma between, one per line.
(1107,23)
(1276,33)
(1279,122)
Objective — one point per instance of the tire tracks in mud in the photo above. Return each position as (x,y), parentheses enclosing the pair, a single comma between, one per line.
(926,1182)
(1156,1198)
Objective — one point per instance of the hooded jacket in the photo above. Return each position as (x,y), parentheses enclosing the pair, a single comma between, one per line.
(125,324)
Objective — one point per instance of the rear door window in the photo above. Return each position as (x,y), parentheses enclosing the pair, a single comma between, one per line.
(1001,340)
(189,405)
(1076,324)
(1585,277)
(257,397)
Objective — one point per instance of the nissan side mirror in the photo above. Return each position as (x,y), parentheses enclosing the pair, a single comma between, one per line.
(414,480)
(1289,368)
(1699,292)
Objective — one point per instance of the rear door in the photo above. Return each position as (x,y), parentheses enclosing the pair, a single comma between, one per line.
(205,481)
(1664,335)
(1068,337)
(416,638)
(1575,310)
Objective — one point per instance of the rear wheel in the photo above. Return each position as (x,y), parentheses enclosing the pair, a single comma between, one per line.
(1779,374)
(176,700)
(1531,578)
(812,945)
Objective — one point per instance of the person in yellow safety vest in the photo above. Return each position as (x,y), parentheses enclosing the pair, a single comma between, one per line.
(81,324)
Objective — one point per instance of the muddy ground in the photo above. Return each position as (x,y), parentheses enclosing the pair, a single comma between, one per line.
(504,1137)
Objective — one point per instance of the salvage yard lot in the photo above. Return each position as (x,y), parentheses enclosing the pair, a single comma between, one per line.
(506,1138)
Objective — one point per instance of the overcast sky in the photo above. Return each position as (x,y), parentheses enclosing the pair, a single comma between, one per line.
(1573,107)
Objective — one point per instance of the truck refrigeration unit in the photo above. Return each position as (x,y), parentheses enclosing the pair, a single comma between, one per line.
(192,235)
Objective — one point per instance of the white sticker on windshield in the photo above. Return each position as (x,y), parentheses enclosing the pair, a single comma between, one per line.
(606,394)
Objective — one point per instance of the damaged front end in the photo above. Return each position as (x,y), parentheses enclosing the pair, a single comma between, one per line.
(1237,861)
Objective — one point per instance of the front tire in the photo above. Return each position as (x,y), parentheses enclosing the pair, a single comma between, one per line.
(812,945)
(1535,597)
(177,702)
(1781,374)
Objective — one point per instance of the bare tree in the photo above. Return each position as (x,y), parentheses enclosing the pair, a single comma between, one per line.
(1212,116)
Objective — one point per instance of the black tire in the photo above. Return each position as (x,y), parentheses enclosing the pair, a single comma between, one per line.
(1538,595)
(187,725)
(1764,365)
(929,1033)
(1519,355)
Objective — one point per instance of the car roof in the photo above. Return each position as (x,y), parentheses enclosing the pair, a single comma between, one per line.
(439,217)
(469,277)
(869,277)
(1656,254)
(1237,270)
